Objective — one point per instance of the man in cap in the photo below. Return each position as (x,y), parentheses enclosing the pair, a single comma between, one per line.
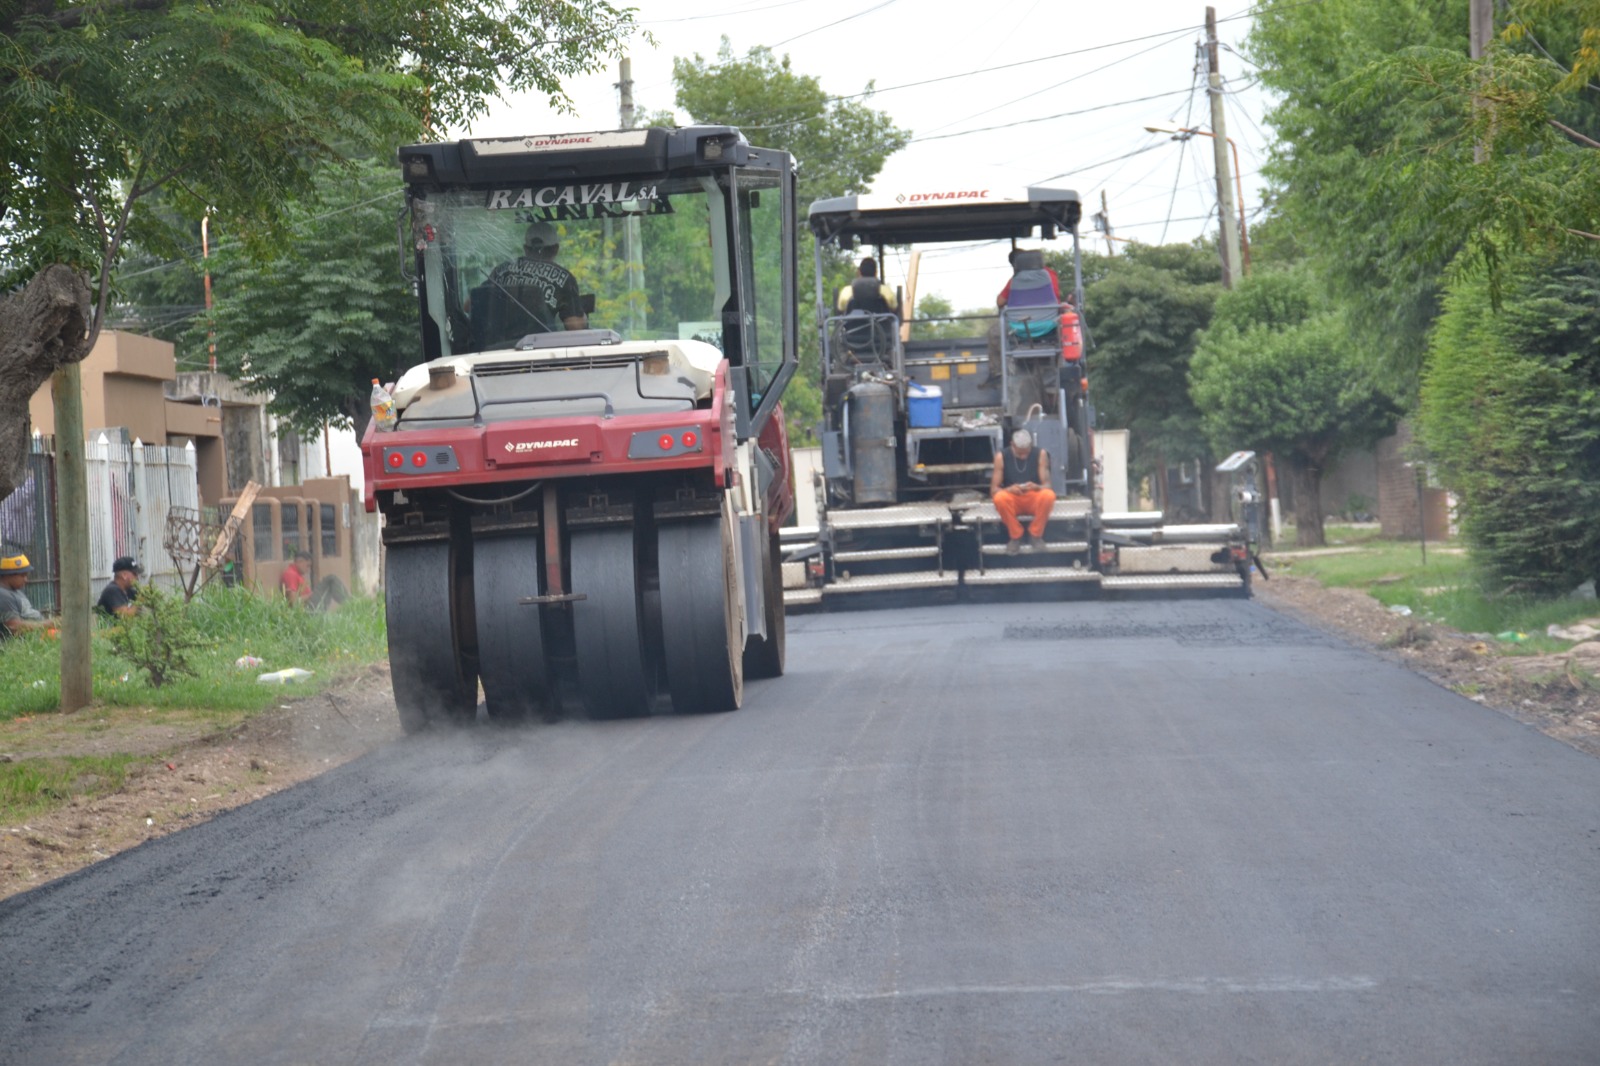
(17,614)
(530,294)
(1020,485)
(117,598)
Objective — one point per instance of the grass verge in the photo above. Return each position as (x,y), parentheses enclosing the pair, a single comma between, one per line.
(333,645)
(1447,588)
(236,624)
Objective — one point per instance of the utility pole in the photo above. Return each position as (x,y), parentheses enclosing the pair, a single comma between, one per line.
(1481,30)
(1232,261)
(632,249)
(72,529)
(625,90)
(1105,223)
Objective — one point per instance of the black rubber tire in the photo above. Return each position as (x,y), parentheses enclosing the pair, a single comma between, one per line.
(612,677)
(700,607)
(511,660)
(764,656)
(429,673)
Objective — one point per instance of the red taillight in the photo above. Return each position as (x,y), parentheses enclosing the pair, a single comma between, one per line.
(419,459)
(665,443)
(396,460)
(689,438)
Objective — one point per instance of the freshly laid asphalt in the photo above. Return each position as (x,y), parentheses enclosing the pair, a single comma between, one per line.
(1142,832)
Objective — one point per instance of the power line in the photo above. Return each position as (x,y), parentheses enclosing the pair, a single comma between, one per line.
(1047,118)
(1169,38)
(830,25)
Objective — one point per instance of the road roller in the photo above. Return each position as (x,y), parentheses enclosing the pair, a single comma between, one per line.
(583,477)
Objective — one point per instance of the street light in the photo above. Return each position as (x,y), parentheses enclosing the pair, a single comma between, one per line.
(1180,133)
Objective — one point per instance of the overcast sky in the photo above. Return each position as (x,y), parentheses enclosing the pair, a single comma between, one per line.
(1156,189)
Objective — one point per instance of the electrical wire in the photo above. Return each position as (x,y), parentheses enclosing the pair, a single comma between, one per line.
(1045,118)
(735,13)
(830,25)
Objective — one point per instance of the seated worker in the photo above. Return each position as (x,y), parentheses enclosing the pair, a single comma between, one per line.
(1021,483)
(17,614)
(1028,274)
(120,592)
(295,581)
(870,295)
(530,294)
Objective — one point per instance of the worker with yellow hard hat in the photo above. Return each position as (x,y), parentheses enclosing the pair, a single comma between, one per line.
(17,614)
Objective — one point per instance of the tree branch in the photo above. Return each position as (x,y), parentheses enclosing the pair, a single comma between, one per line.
(1582,233)
(1574,134)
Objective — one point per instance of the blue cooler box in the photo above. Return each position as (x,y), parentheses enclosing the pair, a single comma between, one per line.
(925,406)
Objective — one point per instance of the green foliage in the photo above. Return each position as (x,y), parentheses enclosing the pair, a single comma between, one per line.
(1145,311)
(1332,185)
(234,106)
(314,325)
(1510,414)
(29,786)
(1382,121)
(1449,587)
(1275,372)
(236,622)
(159,637)
(933,306)
(840,146)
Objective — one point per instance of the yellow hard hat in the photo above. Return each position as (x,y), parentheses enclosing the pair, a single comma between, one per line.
(14,564)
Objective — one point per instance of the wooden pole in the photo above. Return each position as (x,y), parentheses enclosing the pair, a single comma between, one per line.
(910,308)
(72,531)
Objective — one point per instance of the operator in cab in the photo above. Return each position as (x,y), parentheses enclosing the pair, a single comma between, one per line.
(867,295)
(530,294)
(1020,485)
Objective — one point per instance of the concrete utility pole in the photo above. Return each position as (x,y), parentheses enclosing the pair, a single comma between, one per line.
(72,532)
(1481,31)
(1105,223)
(1232,260)
(632,247)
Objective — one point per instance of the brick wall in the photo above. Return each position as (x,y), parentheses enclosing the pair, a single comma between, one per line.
(1399,512)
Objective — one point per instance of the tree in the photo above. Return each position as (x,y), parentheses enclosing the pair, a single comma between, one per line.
(228,105)
(936,307)
(1275,372)
(840,145)
(1510,415)
(1332,183)
(224,105)
(1145,311)
(312,327)
(1512,163)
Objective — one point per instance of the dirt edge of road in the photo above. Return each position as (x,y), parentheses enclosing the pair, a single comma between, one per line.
(190,778)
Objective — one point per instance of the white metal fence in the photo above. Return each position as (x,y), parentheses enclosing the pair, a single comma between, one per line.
(131,489)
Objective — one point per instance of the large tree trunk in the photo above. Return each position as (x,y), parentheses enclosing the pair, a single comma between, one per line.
(1308,504)
(42,329)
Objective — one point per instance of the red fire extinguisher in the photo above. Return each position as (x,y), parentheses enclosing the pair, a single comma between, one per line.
(1071,337)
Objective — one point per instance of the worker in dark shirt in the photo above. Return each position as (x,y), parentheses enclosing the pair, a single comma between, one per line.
(117,598)
(866,296)
(17,614)
(1020,485)
(530,294)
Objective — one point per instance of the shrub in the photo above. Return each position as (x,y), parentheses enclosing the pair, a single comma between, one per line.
(158,637)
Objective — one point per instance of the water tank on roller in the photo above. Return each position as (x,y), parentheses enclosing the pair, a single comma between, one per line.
(872,452)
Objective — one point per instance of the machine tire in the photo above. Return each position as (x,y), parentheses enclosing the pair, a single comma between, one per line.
(763,656)
(700,616)
(607,625)
(431,682)
(511,660)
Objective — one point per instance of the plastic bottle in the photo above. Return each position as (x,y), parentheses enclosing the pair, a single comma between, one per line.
(382,406)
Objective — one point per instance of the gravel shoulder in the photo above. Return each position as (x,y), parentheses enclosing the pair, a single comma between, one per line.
(188,775)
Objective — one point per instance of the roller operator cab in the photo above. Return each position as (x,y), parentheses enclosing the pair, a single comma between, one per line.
(915,415)
(583,485)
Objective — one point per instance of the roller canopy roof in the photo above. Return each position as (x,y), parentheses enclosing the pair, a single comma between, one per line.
(947,215)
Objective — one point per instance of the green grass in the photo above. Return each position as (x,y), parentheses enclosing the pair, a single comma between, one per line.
(332,644)
(1448,589)
(32,786)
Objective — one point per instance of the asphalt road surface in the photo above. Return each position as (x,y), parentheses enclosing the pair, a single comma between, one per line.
(1139,832)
